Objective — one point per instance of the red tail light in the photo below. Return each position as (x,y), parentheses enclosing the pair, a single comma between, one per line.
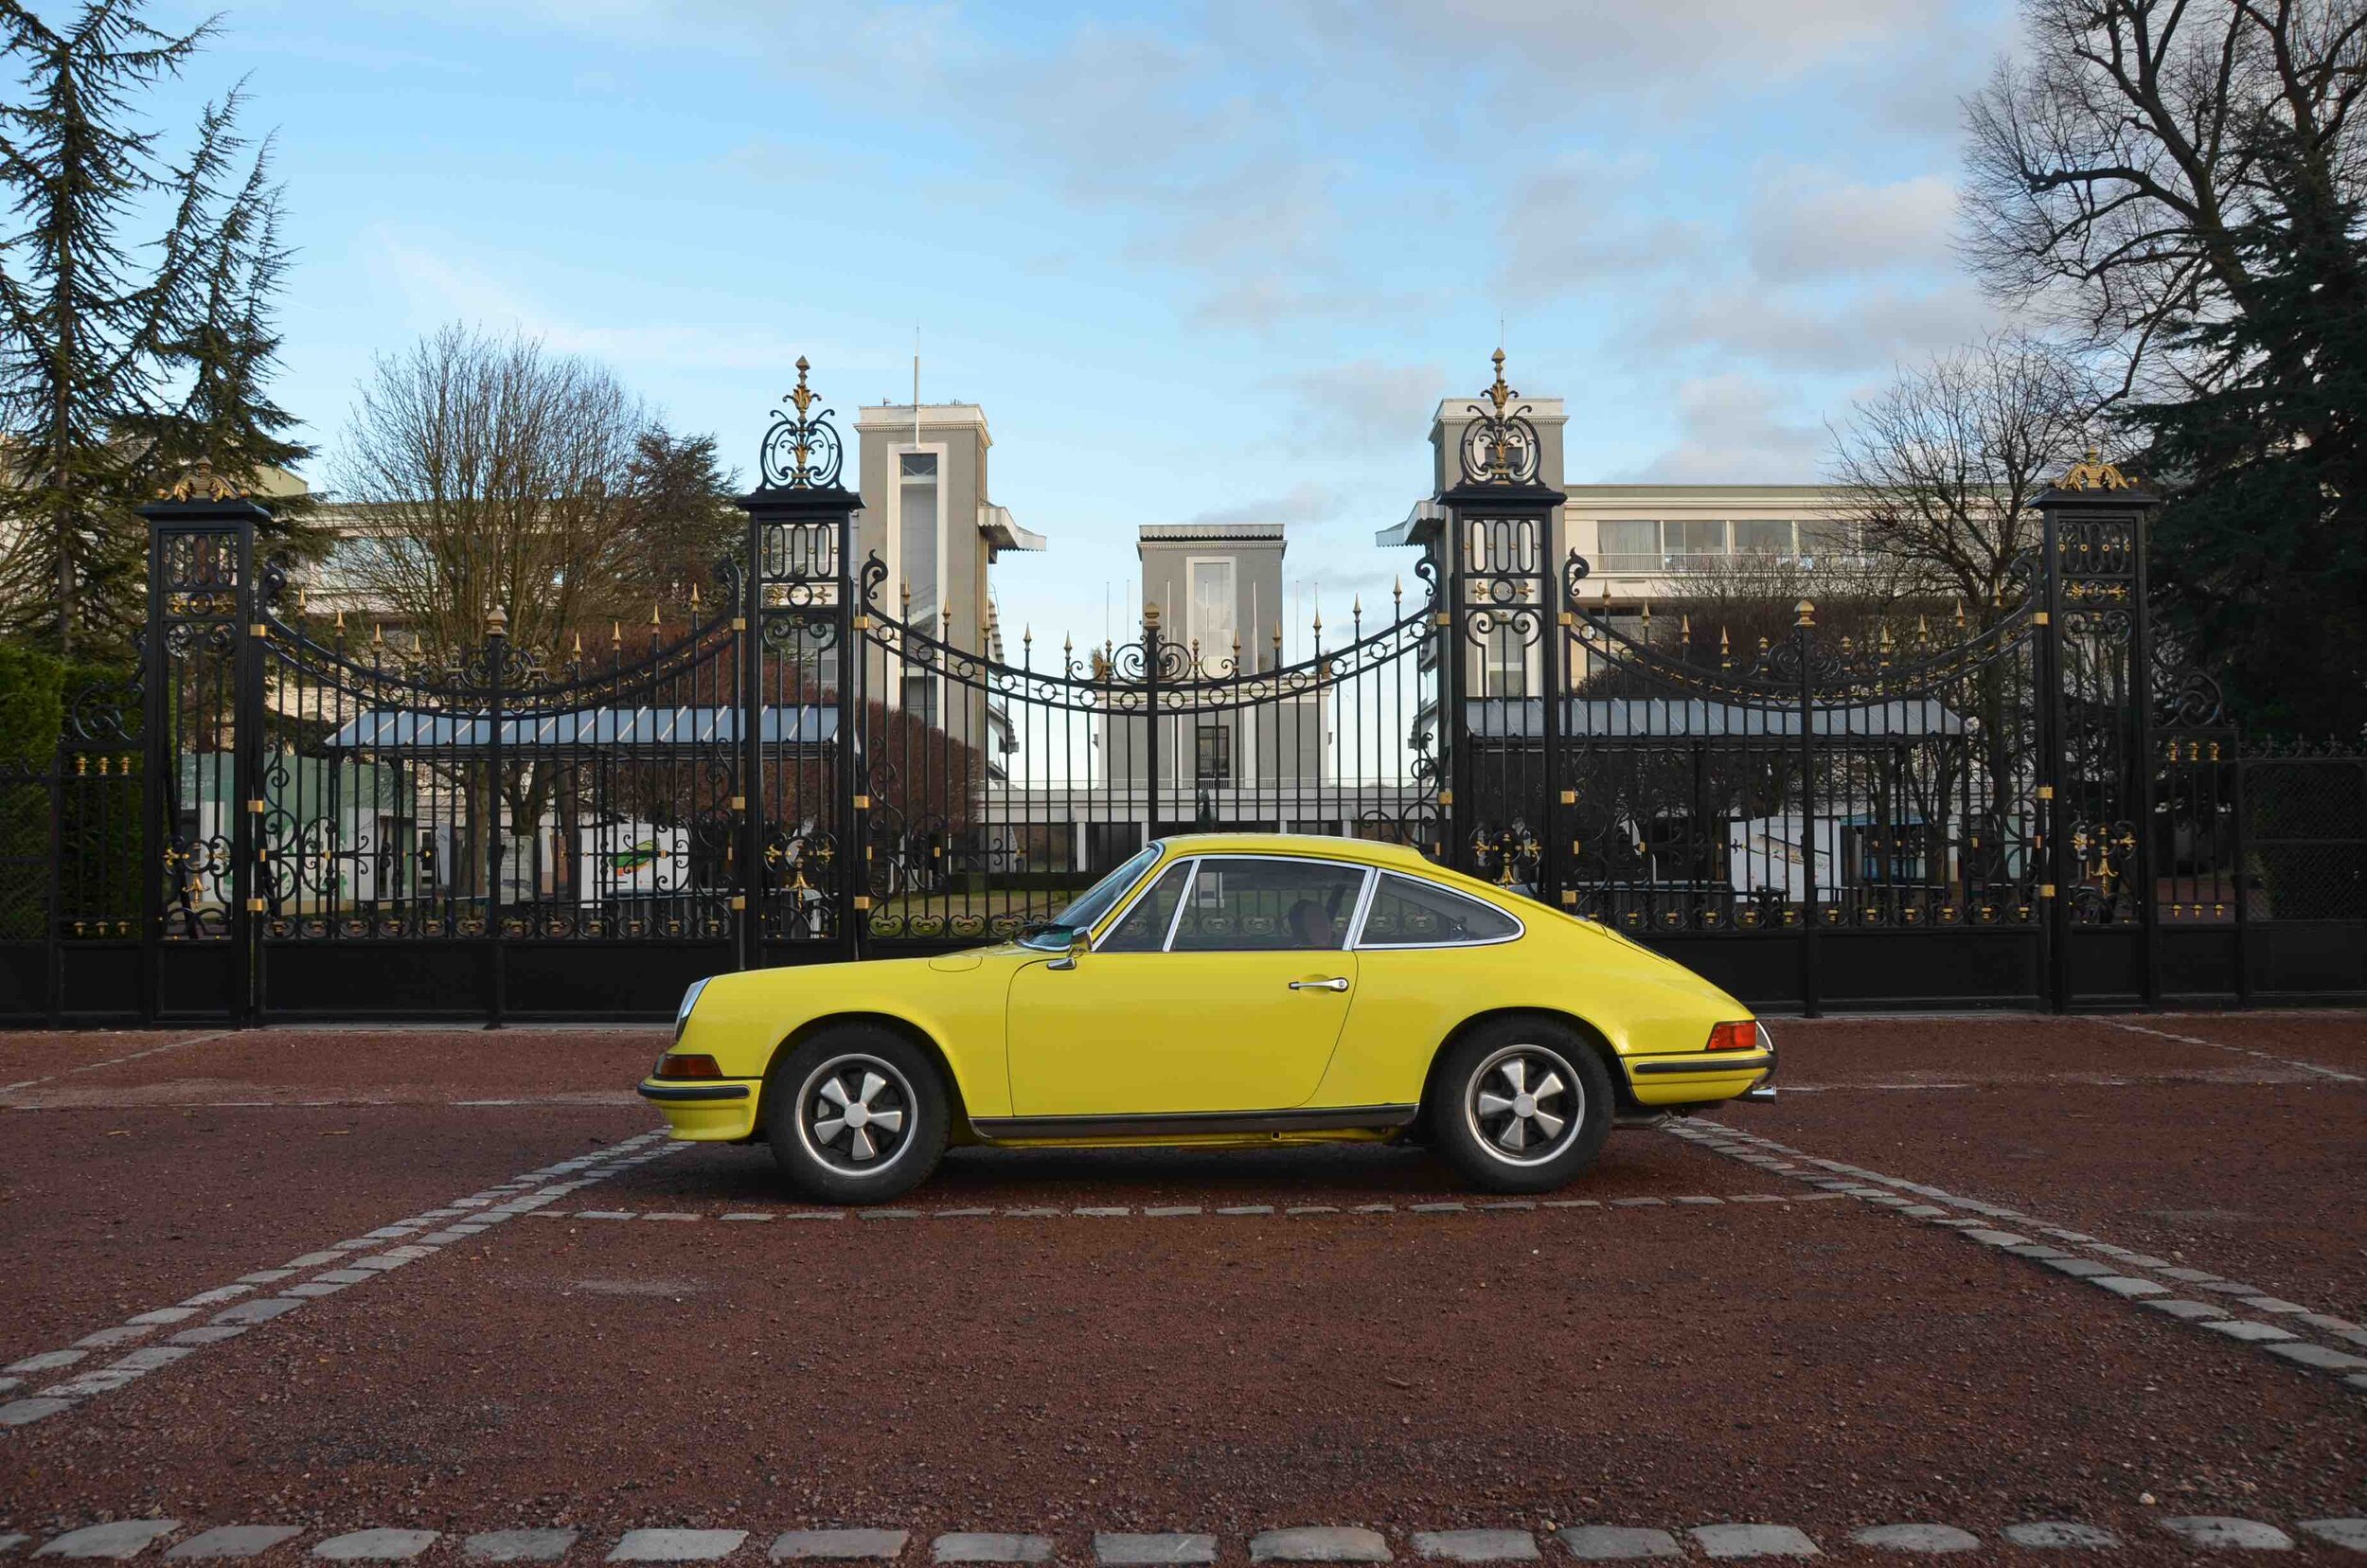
(678,1065)
(1734,1037)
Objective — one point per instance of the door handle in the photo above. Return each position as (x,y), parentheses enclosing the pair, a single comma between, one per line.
(1337,982)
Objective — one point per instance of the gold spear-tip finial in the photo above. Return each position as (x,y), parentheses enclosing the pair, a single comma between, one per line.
(803,395)
(1499,393)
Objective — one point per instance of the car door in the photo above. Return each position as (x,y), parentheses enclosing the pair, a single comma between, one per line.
(1222,989)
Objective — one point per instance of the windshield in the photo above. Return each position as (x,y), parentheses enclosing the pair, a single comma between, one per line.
(1095,900)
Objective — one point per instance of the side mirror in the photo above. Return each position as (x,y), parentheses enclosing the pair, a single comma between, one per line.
(1080,941)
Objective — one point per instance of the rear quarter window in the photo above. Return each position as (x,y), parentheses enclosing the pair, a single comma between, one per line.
(1408,912)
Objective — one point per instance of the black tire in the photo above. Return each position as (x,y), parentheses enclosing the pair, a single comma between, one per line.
(1476,1096)
(832,1074)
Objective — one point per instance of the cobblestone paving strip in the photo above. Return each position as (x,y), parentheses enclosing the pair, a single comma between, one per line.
(119,1540)
(2126,1276)
(1172,1211)
(239,1310)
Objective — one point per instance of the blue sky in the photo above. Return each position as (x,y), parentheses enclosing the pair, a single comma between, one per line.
(1212,262)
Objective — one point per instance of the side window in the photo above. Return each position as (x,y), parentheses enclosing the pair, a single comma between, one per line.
(1242,904)
(1406,913)
(1144,927)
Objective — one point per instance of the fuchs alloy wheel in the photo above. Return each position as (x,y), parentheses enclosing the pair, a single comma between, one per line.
(856,1116)
(1519,1106)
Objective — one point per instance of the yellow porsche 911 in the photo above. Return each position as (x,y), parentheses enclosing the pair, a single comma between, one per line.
(1224,990)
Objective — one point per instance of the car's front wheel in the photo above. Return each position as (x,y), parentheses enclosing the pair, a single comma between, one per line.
(1519,1106)
(856,1116)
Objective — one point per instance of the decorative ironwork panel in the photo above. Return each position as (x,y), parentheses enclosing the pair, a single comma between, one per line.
(496,790)
(1875,772)
(999,783)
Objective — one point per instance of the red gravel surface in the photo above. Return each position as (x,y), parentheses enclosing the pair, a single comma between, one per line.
(2213,1160)
(104,1214)
(1818,1363)
(1813,1363)
(291,1065)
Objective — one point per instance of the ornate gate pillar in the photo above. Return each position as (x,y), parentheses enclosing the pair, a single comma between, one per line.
(2096,781)
(1501,683)
(802,673)
(202,684)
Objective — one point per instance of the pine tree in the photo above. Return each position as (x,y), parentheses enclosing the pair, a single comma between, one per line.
(2260,552)
(95,340)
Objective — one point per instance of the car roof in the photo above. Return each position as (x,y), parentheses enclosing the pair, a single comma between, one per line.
(1330,847)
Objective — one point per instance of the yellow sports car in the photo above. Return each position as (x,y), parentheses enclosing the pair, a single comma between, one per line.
(1232,990)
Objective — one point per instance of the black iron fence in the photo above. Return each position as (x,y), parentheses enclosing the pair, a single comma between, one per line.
(2029,805)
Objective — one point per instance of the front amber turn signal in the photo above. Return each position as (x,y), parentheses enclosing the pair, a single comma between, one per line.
(680,1064)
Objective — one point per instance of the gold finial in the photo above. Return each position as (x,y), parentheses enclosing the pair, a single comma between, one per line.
(1150,616)
(1806,611)
(199,482)
(1725,650)
(341,623)
(1356,607)
(578,643)
(496,622)
(2090,473)
(303,602)
(654,620)
(378,637)
(1960,615)
(694,596)
(1396,589)
(616,632)
(803,396)
(1685,629)
(1500,394)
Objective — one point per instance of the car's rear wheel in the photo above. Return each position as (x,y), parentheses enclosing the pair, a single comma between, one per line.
(856,1116)
(1520,1105)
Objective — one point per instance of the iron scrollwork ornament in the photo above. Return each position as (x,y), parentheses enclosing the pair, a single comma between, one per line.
(801,450)
(1500,445)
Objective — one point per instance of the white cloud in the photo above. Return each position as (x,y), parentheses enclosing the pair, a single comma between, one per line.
(436,286)
(1808,224)
(1362,405)
(1737,429)
(1831,333)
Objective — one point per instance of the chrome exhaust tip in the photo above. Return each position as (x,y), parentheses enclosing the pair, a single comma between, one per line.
(1763,1095)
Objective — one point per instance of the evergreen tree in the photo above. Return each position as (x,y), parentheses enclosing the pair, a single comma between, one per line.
(678,510)
(2260,552)
(98,344)
(225,420)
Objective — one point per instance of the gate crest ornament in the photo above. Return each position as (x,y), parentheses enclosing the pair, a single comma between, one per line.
(801,450)
(1500,446)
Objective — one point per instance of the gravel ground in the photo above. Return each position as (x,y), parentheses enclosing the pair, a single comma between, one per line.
(103,1214)
(1816,1363)
(2226,1162)
(1809,1362)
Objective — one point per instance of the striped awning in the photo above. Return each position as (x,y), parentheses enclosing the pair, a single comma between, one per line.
(606,730)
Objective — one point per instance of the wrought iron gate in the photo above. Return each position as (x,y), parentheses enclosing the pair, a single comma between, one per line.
(2028,805)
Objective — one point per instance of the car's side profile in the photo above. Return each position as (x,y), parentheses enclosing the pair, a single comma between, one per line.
(1218,990)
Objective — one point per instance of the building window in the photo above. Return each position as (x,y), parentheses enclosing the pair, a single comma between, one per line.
(921,696)
(1824,545)
(1694,545)
(1212,753)
(1214,621)
(1504,669)
(1764,539)
(917,530)
(1629,546)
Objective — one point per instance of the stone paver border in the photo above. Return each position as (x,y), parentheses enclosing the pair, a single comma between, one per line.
(122,1538)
